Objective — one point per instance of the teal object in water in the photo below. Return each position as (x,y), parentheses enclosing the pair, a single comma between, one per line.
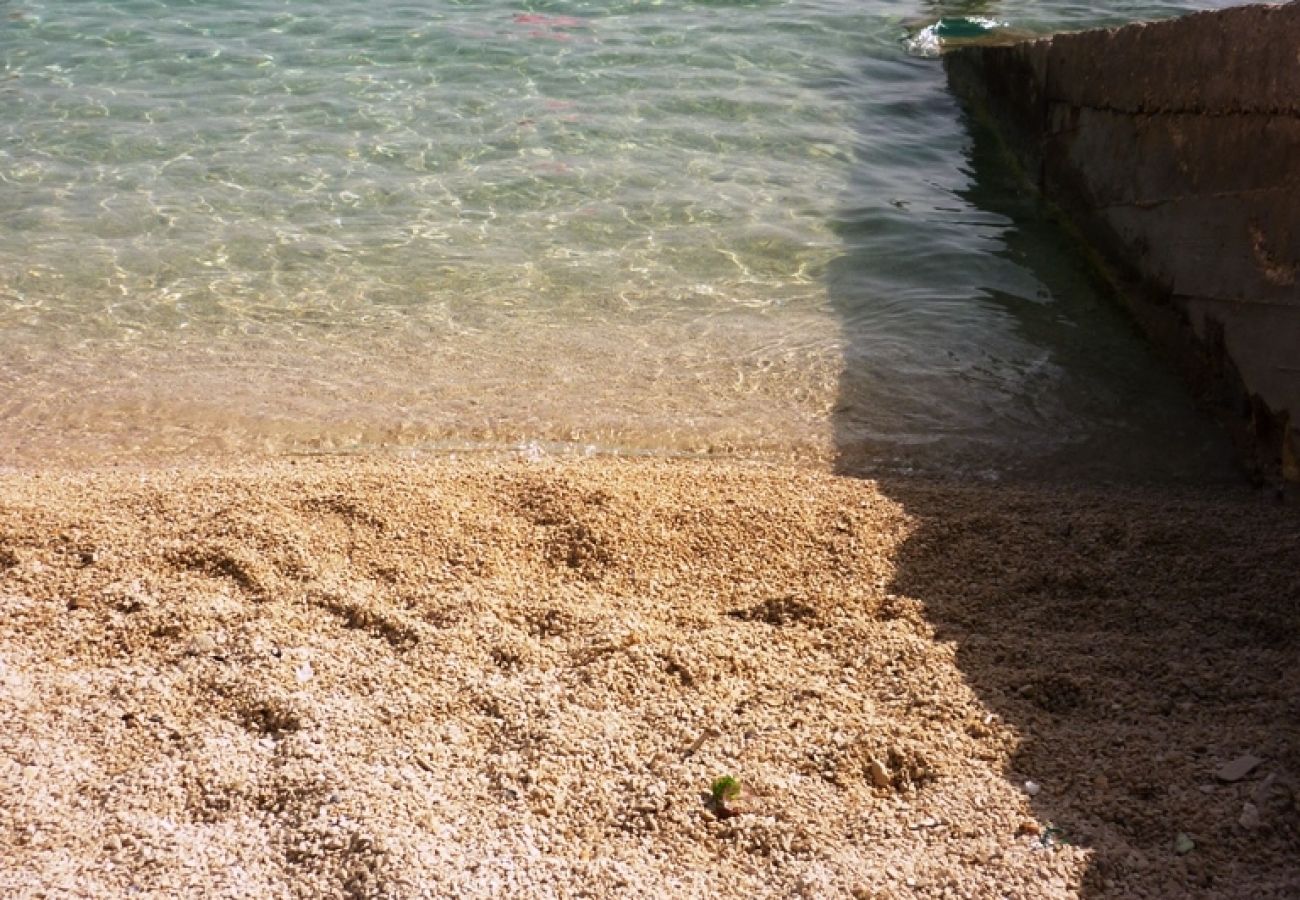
(963,27)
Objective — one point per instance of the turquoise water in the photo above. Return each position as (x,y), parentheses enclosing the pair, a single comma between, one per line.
(752,228)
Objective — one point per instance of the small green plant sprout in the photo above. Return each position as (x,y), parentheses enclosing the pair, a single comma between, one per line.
(724,789)
(722,792)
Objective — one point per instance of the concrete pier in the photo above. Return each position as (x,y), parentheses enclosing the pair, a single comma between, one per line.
(1174,149)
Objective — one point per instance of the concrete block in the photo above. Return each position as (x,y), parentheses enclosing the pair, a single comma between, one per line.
(1175,148)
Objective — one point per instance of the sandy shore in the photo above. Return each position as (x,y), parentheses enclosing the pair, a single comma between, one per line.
(485,677)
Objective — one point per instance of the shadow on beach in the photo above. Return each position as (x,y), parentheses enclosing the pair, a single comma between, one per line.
(1122,600)
(1137,643)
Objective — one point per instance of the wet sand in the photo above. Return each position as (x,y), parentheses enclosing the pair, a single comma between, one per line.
(381,677)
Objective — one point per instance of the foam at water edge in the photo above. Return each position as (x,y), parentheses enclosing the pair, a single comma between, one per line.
(929,41)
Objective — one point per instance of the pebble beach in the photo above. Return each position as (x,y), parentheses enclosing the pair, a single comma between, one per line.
(433,677)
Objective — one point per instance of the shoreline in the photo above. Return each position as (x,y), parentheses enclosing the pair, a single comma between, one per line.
(370,676)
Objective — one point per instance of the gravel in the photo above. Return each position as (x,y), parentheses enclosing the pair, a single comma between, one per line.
(378,677)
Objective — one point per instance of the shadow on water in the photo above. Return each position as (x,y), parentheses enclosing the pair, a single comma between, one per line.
(1117,595)
(974,335)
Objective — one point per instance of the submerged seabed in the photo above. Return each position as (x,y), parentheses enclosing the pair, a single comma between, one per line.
(750,228)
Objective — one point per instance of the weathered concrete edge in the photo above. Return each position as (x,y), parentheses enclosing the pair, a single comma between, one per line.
(1173,149)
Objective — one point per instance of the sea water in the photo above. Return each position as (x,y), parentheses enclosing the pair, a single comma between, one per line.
(759,228)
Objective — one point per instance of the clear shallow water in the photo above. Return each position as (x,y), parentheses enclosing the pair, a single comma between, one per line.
(747,227)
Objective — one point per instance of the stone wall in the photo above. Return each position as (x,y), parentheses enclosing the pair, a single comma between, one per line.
(1174,148)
